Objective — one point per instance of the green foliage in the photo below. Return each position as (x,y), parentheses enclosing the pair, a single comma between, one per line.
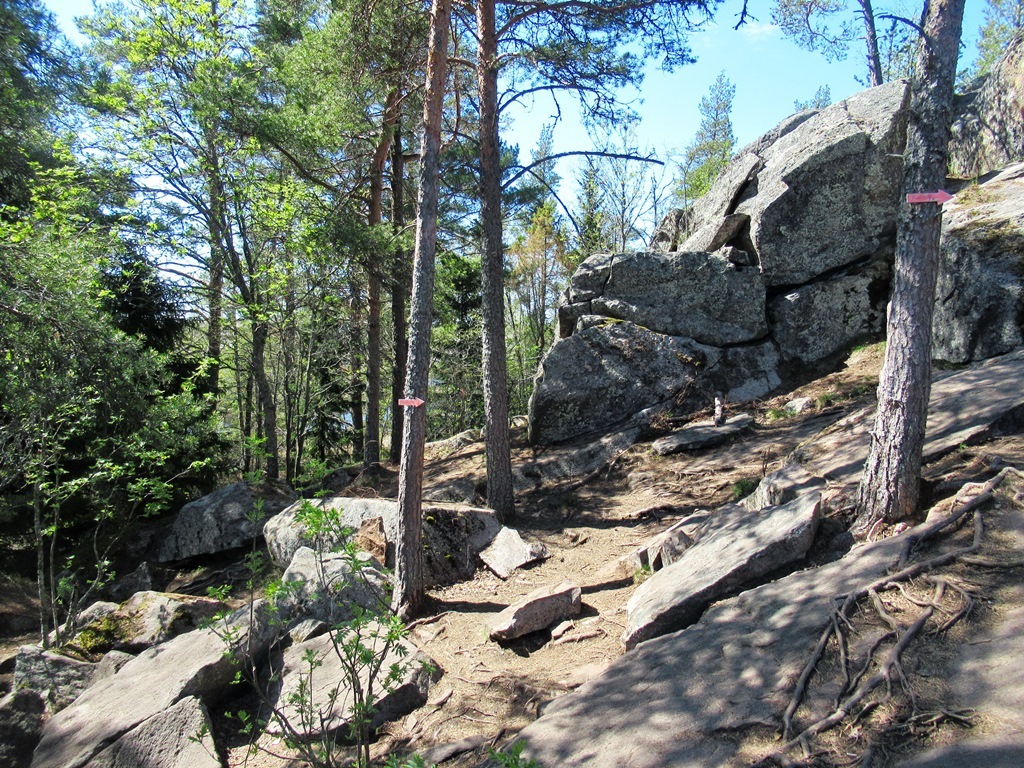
(711,149)
(821,99)
(1003,20)
(38,68)
(368,647)
(642,574)
(93,425)
(744,487)
(514,757)
(779,414)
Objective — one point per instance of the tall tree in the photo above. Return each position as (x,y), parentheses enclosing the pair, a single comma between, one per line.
(582,48)
(711,149)
(825,25)
(632,186)
(37,71)
(591,224)
(407,599)
(1003,20)
(889,490)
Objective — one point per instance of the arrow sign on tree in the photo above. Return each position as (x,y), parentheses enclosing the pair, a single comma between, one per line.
(929,197)
(412,402)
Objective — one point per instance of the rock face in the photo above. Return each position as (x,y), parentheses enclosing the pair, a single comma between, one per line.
(989,131)
(325,587)
(146,619)
(218,522)
(734,547)
(21,724)
(784,264)
(979,306)
(785,260)
(604,374)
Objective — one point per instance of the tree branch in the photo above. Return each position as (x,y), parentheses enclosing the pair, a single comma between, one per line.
(524,169)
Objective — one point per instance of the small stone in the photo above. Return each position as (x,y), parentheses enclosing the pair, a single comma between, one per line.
(509,551)
(538,610)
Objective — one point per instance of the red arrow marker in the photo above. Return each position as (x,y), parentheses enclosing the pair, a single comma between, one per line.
(412,402)
(929,197)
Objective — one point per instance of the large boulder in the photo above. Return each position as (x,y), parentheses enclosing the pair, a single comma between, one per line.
(706,298)
(453,534)
(229,518)
(21,725)
(179,737)
(828,192)
(988,132)
(785,260)
(58,678)
(979,305)
(144,620)
(327,586)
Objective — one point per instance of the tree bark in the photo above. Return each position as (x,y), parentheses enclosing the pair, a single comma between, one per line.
(268,405)
(890,487)
(400,289)
(355,400)
(409,594)
(371,436)
(495,363)
(871,38)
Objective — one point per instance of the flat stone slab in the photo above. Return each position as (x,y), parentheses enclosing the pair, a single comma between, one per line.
(194,664)
(509,551)
(329,695)
(957,414)
(735,547)
(179,737)
(702,434)
(668,546)
(538,610)
(675,700)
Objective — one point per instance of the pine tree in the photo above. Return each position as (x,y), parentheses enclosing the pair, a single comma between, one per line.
(1003,19)
(711,149)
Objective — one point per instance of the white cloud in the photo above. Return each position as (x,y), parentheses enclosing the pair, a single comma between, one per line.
(760,30)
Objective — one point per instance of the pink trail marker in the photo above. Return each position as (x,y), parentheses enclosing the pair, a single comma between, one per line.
(929,197)
(412,402)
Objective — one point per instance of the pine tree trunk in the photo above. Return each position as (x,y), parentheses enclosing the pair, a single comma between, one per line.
(890,487)
(495,364)
(871,38)
(400,289)
(268,406)
(371,437)
(408,594)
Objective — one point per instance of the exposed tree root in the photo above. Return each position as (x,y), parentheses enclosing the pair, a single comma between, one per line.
(855,699)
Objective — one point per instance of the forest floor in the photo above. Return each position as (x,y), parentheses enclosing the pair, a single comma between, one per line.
(490,690)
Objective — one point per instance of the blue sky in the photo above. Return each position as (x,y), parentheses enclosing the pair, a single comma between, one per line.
(768,70)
